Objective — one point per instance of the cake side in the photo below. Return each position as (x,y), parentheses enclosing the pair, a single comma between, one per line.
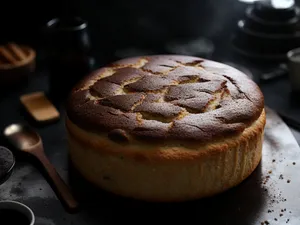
(166,173)
(165,98)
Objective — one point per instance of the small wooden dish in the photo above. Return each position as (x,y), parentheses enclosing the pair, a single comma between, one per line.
(16,63)
(39,107)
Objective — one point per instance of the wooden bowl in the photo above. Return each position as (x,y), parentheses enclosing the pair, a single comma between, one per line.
(17,62)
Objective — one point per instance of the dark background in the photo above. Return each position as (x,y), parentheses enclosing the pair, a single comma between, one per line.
(117,24)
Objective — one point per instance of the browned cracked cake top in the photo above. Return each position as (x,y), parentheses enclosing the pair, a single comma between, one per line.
(166,96)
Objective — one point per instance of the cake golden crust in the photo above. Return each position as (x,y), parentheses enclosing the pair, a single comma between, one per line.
(166,173)
(166,97)
(166,128)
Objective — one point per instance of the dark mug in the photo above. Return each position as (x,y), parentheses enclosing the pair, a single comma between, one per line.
(68,53)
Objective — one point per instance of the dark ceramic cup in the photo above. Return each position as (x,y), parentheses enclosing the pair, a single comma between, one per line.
(13,212)
(68,53)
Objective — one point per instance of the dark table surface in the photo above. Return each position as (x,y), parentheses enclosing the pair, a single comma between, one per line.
(147,36)
(265,196)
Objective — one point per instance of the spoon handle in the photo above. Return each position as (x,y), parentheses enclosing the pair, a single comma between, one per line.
(61,187)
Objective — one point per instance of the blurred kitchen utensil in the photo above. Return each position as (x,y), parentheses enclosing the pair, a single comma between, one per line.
(294,69)
(25,139)
(17,62)
(274,73)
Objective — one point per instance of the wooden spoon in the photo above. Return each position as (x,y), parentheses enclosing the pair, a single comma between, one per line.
(26,139)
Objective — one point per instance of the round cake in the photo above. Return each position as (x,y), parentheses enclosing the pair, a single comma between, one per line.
(165,127)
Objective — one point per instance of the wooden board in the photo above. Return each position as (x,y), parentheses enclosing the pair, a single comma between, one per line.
(39,107)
